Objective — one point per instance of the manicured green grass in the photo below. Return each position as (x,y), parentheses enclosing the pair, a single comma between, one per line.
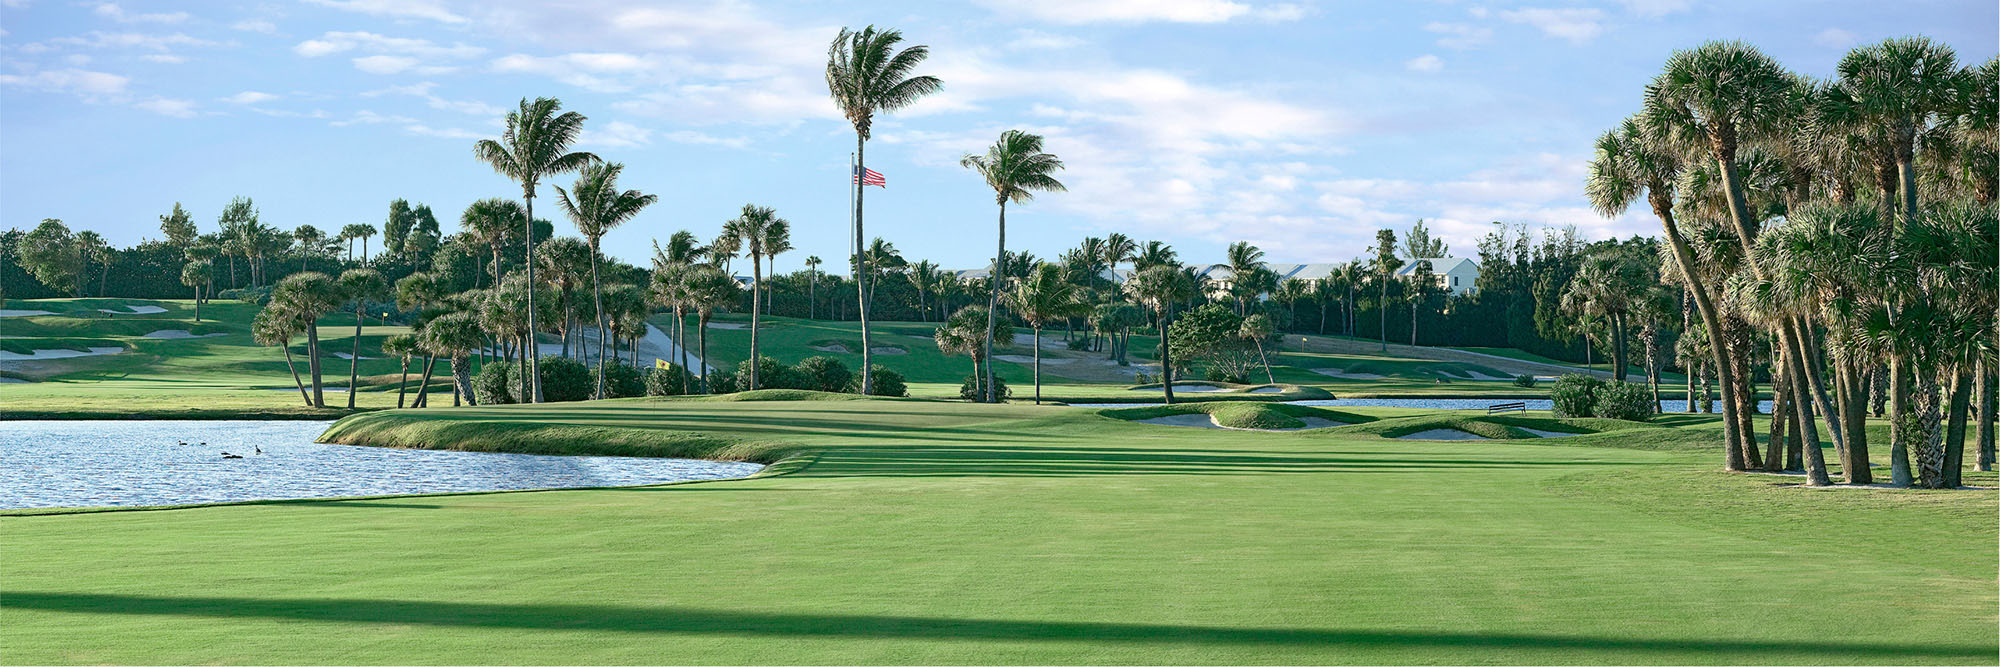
(912,531)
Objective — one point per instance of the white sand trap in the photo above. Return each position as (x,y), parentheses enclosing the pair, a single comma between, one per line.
(1317,422)
(1178,387)
(727,325)
(350,357)
(835,348)
(1547,434)
(1344,375)
(181,333)
(23,313)
(135,310)
(888,351)
(1442,434)
(1196,420)
(38,355)
(1268,390)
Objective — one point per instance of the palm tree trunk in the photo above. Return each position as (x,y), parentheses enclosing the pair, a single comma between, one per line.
(1774,449)
(461,376)
(1038,365)
(424,385)
(312,349)
(1710,316)
(861,264)
(1899,433)
(1988,402)
(295,373)
(1954,432)
(701,331)
(403,381)
(534,361)
(354,365)
(1166,362)
(756,310)
(597,294)
(993,300)
(1268,377)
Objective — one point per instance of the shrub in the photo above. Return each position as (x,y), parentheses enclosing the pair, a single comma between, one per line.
(823,374)
(565,379)
(1525,381)
(720,382)
(886,382)
(668,381)
(495,384)
(1575,395)
(1080,343)
(251,295)
(770,375)
(620,380)
(1222,375)
(969,390)
(1629,401)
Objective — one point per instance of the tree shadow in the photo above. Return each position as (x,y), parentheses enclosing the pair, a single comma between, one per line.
(717,622)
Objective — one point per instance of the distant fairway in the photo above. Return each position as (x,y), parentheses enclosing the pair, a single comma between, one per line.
(919,532)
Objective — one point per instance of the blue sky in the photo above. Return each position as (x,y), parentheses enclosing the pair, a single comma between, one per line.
(1301,126)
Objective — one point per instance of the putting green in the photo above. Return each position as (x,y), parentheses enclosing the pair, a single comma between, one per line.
(927,532)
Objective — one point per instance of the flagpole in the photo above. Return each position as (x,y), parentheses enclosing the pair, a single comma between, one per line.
(853,253)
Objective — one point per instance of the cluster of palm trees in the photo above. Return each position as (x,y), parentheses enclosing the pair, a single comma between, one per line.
(1846,224)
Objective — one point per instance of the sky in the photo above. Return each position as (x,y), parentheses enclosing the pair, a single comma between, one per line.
(1301,126)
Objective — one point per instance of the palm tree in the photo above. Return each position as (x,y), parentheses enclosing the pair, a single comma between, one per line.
(598,207)
(535,144)
(420,292)
(925,276)
(309,295)
(777,242)
(491,221)
(1899,86)
(879,261)
(670,289)
(709,288)
(683,249)
(1118,249)
(1351,274)
(964,333)
(1634,160)
(198,274)
(401,346)
(1153,254)
(1160,287)
(275,326)
(755,227)
(1244,259)
(310,239)
(359,286)
(1716,96)
(562,261)
(866,75)
(1386,264)
(812,293)
(1016,168)
(363,231)
(1325,292)
(455,335)
(1046,295)
(1257,328)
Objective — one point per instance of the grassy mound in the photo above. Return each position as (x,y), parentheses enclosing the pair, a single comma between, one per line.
(783,395)
(29,345)
(1240,414)
(417,429)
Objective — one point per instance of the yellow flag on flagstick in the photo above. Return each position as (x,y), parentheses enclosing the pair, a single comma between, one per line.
(661,363)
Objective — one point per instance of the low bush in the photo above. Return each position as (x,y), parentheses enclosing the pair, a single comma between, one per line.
(1575,395)
(621,381)
(1220,375)
(970,389)
(1079,344)
(1629,401)
(668,381)
(885,382)
(1524,381)
(770,375)
(565,379)
(720,382)
(495,384)
(823,374)
(250,295)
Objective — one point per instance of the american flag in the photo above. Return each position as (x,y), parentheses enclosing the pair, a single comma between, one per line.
(866,176)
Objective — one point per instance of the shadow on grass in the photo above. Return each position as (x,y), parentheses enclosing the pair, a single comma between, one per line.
(1003,461)
(690,621)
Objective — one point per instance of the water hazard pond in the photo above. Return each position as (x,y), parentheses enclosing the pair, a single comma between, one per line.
(131,463)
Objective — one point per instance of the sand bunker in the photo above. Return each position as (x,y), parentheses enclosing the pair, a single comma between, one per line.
(1476,375)
(135,310)
(1197,420)
(835,348)
(1546,434)
(1181,387)
(23,313)
(350,357)
(1268,390)
(38,355)
(1441,434)
(888,351)
(727,325)
(181,333)
(1344,375)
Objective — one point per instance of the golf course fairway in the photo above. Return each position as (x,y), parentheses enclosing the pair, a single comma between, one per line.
(921,532)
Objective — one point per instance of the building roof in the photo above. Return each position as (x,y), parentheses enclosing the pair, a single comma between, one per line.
(1438,265)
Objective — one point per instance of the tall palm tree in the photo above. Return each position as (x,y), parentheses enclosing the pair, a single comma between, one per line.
(491,221)
(1016,168)
(777,242)
(535,144)
(670,289)
(1634,160)
(310,295)
(1047,295)
(709,288)
(755,226)
(812,290)
(402,347)
(597,207)
(867,75)
(1386,264)
(1244,259)
(562,263)
(358,287)
(1900,86)
(683,249)
(455,335)
(275,326)
(925,277)
(1153,254)
(1160,287)
(1118,249)
(420,292)
(1257,328)
(198,274)
(879,261)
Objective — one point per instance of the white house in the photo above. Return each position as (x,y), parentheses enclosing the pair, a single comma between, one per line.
(1458,276)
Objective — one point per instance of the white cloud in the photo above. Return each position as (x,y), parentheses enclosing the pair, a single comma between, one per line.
(602,72)
(425,91)
(1036,40)
(1653,9)
(413,9)
(1579,26)
(255,25)
(342,42)
(1139,11)
(116,13)
(1835,38)
(164,58)
(97,39)
(1424,63)
(168,107)
(1460,36)
(616,134)
(384,64)
(86,84)
(249,97)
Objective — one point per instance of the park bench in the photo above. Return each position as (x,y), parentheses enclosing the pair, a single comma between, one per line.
(1518,406)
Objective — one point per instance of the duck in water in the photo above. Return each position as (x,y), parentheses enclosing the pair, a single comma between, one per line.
(260,450)
(228,455)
